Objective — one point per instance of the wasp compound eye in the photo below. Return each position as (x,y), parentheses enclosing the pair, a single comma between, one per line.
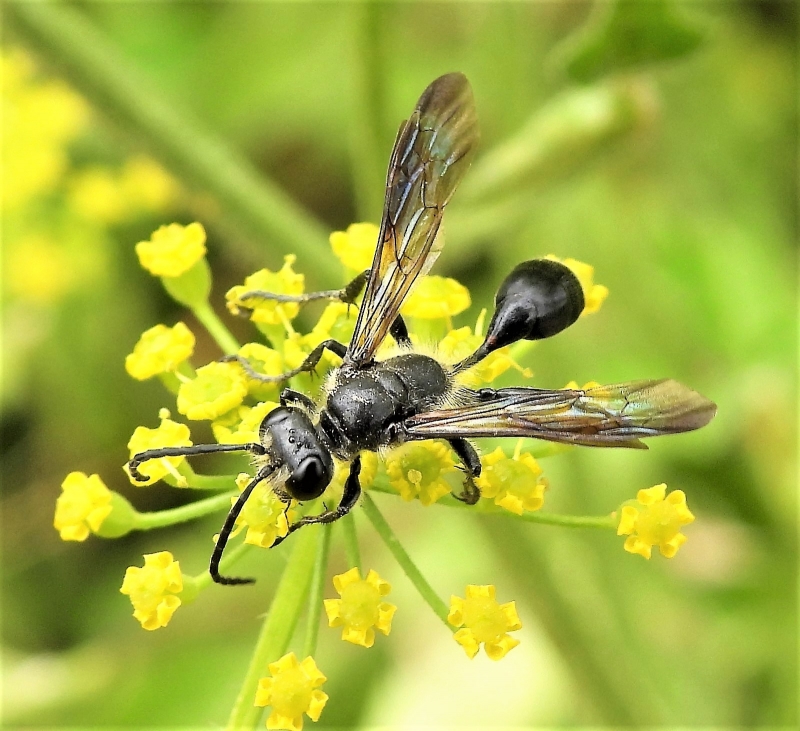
(538,299)
(309,479)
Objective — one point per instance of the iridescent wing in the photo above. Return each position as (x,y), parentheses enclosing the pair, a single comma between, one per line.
(432,152)
(605,416)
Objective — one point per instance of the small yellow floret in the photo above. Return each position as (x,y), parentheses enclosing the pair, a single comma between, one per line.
(436,297)
(594,294)
(240,426)
(267,362)
(516,484)
(655,521)
(172,250)
(483,620)
(418,470)
(218,388)
(360,610)
(292,691)
(264,514)
(84,503)
(269,312)
(355,247)
(160,349)
(168,434)
(153,589)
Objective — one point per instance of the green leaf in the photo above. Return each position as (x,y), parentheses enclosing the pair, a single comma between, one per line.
(626,34)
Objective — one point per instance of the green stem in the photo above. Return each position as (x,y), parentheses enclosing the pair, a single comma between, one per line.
(315,598)
(94,66)
(216,328)
(485,507)
(210,482)
(279,625)
(161,518)
(409,567)
(348,524)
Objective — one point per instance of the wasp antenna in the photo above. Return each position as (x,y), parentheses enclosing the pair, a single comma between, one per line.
(227,528)
(137,459)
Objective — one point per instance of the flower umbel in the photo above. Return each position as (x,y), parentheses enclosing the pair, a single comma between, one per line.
(516,484)
(84,503)
(418,469)
(356,246)
(153,589)
(285,281)
(360,608)
(292,691)
(172,250)
(483,620)
(655,521)
(161,349)
(435,297)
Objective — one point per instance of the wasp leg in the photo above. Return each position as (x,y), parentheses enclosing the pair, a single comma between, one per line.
(352,491)
(227,528)
(137,459)
(472,468)
(347,294)
(307,366)
(399,331)
(291,397)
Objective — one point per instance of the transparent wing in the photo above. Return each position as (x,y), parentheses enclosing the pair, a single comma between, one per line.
(605,416)
(431,154)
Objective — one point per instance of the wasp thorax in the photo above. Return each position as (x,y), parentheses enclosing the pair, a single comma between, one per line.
(538,299)
(294,442)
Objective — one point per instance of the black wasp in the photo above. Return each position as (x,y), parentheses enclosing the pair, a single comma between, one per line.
(370,404)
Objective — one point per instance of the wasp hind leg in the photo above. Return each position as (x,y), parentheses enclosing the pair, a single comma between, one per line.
(472,469)
(352,491)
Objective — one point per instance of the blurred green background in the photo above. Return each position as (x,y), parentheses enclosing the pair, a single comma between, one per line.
(656,143)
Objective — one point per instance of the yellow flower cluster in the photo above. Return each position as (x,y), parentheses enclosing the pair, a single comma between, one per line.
(515,484)
(269,312)
(418,470)
(483,621)
(84,503)
(172,250)
(655,519)
(160,349)
(291,691)
(360,611)
(153,589)
(168,434)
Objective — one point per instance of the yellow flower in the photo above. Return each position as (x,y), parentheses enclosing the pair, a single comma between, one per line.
(266,361)
(483,620)
(418,470)
(95,193)
(515,484)
(218,388)
(172,250)
(84,503)
(434,297)
(240,426)
(594,294)
(360,608)
(264,514)
(356,247)
(292,691)
(168,434)
(269,312)
(160,349)
(655,521)
(146,185)
(153,589)
(337,321)
(460,343)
